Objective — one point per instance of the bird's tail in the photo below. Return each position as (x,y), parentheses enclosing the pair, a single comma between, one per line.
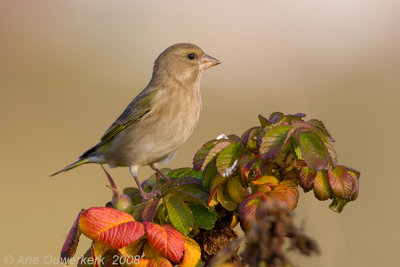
(73,165)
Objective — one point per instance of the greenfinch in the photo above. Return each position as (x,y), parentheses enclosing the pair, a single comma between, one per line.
(159,119)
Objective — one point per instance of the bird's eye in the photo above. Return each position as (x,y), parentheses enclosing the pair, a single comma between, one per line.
(191,56)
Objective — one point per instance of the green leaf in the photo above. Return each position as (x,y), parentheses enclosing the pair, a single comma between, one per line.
(342,183)
(185,172)
(209,173)
(273,140)
(227,160)
(320,125)
(263,121)
(187,197)
(338,204)
(179,182)
(313,150)
(203,217)
(322,189)
(179,214)
(193,189)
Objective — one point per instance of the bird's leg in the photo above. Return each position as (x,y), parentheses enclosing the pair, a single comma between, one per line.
(146,196)
(157,170)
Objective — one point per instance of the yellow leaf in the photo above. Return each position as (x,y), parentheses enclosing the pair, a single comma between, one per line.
(268,179)
(191,254)
(236,190)
(223,197)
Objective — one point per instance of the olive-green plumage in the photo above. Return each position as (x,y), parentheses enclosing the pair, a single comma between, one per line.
(160,119)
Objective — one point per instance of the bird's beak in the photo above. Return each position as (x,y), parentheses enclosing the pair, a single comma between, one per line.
(208,61)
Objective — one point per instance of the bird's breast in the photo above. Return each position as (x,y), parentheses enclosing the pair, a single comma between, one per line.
(169,124)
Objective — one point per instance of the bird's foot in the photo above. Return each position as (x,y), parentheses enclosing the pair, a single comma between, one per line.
(148,196)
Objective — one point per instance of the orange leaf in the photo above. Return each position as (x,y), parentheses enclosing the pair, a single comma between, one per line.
(166,240)
(111,227)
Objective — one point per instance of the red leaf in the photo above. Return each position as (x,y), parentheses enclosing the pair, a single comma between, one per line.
(111,227)
(248,209)
(71,243)
(285,195)
(166,240)
(150,209)
(342,182)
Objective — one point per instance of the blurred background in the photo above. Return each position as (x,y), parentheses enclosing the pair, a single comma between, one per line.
(69,68)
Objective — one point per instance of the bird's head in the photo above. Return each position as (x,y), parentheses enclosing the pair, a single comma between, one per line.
(184,62)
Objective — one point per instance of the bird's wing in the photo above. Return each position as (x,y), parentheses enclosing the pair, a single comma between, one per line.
(135,111)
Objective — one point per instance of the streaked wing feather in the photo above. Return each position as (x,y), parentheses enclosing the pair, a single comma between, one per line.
(134,112)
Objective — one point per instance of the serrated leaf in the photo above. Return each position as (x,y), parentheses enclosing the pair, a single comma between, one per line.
(313,150)
(180,182)
(356,176)
(322,189)
(248,209)
(275,116)
(209,173)
(250,138)
(203,217)
(97,251)
(338,204)
(111,227)
(236,190)
(71,242)
(136,248)
(224,198)
(263,121)
(286,195)
(185,172)
(204,156)
(320,125)
(217,182)
(179,214)
(342,183)
(150,209)
(307,177)
(273,140)
(192,253)
(165,240)
(187,197)
(266,179)
(227,160)
(193,189)
(137,211)
(246,162)
(202,153)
